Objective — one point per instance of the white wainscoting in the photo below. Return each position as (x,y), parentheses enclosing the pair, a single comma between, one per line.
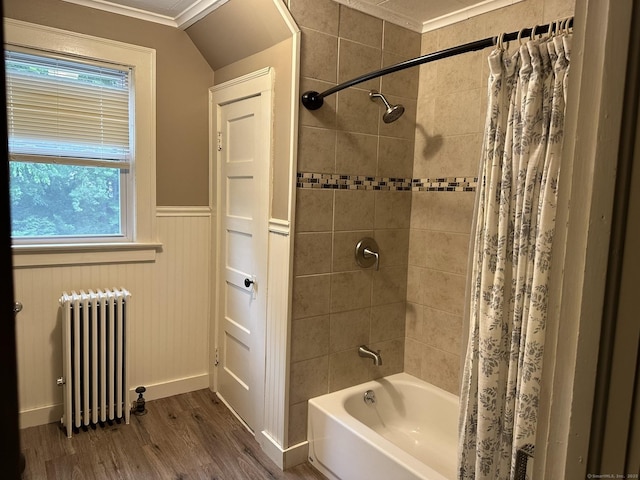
(170,312)
(273,436)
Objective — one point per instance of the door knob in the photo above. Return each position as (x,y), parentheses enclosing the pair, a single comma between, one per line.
(248,282)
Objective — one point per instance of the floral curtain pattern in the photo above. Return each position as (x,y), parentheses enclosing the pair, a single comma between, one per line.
(517,194)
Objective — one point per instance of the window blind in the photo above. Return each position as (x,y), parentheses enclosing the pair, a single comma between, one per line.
(66,109)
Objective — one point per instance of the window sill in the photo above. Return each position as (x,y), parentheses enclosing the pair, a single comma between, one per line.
(83,254)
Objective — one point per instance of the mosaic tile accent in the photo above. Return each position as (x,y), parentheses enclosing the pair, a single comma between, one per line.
(363,182)
(351,182)
(448,184)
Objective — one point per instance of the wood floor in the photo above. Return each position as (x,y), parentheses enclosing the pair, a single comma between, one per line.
(189,436)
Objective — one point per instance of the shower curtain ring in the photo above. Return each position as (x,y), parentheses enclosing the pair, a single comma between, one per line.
(558,27)
(550,29)
(533,33)
(568,26)
(520,37)
(501,41)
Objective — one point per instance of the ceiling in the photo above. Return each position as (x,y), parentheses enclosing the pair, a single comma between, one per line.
(418,15)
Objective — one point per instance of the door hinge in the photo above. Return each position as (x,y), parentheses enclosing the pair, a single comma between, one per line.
(219,141)
(217,359)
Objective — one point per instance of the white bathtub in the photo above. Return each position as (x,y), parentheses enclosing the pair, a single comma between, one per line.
(409,433)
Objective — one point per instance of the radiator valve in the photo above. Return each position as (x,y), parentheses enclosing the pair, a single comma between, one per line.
(139,408)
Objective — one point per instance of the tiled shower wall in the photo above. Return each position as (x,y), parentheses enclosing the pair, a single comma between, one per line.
(448,138)
(338,305)
(412,308)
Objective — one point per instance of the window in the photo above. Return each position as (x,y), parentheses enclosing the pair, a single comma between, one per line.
(69,148)
(81,118)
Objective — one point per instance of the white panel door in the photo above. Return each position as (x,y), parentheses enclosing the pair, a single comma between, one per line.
(243,196)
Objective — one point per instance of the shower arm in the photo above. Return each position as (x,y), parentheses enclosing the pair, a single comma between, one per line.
(373,94)
(313,100)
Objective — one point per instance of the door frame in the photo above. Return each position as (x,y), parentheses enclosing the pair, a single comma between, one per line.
(9,433)
(259,83)
(593,126)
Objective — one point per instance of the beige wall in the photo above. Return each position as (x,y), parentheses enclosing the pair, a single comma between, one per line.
(337,305)
(183,80)
(222,36)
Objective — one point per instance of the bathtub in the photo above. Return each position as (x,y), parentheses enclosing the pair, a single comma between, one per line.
(410,432)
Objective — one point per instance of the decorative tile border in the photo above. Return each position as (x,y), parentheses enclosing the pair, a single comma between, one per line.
(448,184)
(351,182)
(363,182)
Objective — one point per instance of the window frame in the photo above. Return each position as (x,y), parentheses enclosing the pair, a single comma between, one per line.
(141,179)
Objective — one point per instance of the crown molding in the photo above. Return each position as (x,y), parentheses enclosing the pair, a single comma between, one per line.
(183,20)
(201,8)
(465,13)
(383,13)
(410,23)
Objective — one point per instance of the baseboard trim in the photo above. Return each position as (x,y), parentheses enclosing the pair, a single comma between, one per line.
(53,413)
(41,415)
(296,455)
(283,458)
(173,387)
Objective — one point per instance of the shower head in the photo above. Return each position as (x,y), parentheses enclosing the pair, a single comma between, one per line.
(392,113)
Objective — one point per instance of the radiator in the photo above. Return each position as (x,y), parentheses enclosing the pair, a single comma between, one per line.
(94,349)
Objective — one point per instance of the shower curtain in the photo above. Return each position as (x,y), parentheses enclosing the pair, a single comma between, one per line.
(517,193)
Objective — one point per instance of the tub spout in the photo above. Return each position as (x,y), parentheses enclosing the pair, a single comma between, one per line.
(366,352)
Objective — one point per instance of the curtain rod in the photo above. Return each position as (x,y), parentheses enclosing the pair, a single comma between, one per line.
(313,100)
